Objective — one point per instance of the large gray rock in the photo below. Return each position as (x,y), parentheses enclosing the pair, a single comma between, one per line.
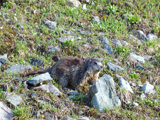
(13,99)
(148,88)
(18,68)
(114,67)
(5,112)
(136,58)
(50,88)
(39,78)
(103,94)
(152,37)
(125,85)
(50,24)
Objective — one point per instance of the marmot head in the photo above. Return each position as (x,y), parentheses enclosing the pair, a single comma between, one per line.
(94,65)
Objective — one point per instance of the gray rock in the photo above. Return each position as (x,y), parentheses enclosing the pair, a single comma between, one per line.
(104,40)
(49,88)
(18,68)
(39,78)
(140,67)
(108,48)
(148,88)
(80,112)
(116,42)
(152,37)
(4,56)
(125,43)
(84,7)
(125,85)
(96,19)
(143,96)
(147,57)
(5,112)
(75,3)
(65,38)
(82,118)
(114,67)
(140,35)
(73,93)
(50,24)
(86,32)
(55,49)
(135,103)
(101,34)
(13,99)
(136,58)
(103,94)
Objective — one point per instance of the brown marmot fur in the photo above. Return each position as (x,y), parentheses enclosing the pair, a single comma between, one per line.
(74,72)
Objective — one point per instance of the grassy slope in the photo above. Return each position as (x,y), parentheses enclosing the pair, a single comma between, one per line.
(118,19)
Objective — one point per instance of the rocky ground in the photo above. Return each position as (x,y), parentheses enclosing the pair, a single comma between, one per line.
(124,35)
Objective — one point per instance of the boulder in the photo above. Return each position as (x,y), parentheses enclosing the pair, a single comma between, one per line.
(103,94)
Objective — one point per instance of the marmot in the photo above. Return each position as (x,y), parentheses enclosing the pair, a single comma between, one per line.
(74,72)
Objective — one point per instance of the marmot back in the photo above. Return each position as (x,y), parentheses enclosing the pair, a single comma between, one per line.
(75,71)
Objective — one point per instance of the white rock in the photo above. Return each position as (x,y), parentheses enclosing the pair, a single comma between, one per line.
(135,104)
(148,88)
(13,99)
(75,3)
(125,85)
(50,24)
(152,37)
(147,57)
(136,58)
(84,7)
(96,19)
(5,112)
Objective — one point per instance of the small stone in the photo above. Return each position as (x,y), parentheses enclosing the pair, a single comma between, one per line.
(136,58)
(140,35)
(125,43)
(148,88)
(135,103)
(96,19)
(50,24)
(143,96)
(80,112)
(125,85)
(13,99)
(73,93)
(108,48)
(39,78)
(114,67)
(116,42)
(101,34)
(133,84)
(84,7)
(152,37)
(5,112)
(18,68)
(55,49)
(104,40)
(75,3)
(139,66)
(65,38)
(82,118)
(50,88)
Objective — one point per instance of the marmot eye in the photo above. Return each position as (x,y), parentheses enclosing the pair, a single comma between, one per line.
(95,63)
